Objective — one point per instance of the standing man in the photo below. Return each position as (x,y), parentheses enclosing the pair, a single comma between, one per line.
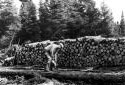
(51,51)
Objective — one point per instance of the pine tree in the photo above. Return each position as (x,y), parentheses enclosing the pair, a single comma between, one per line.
(92,16)
(44,18)
(30,29)
(116,31)
(75,19)
(61,15)
(70,18)
(8,17)
(122,25)
(106,21)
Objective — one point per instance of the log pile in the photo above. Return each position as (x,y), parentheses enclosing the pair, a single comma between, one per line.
(77,53)
(31,55)
(90,51)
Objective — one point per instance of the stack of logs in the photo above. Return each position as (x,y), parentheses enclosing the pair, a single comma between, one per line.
(77,53)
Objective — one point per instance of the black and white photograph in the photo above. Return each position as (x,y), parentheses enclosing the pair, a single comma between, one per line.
(62,42)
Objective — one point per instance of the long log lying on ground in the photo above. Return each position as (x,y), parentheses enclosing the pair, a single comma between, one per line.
(9,71)
(20,75)
(93,76)
(87,76)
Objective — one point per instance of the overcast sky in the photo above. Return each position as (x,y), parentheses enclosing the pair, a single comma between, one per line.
(116,6)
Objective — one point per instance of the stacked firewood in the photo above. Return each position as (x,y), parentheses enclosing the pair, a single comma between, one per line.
(76,53)
(87,52)
(29,55)
(32,55)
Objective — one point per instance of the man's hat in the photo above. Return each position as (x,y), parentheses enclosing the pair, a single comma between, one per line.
(61,45)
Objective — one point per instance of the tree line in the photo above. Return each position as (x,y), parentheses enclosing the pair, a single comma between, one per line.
(56,19)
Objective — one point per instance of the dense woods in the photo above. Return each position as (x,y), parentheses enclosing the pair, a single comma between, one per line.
(55,19)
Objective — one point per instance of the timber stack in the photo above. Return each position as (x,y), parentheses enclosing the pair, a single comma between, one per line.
(77,53)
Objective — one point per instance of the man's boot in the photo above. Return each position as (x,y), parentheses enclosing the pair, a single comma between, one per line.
(47,67)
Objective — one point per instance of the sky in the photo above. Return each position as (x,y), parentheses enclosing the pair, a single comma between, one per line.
(115,6)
